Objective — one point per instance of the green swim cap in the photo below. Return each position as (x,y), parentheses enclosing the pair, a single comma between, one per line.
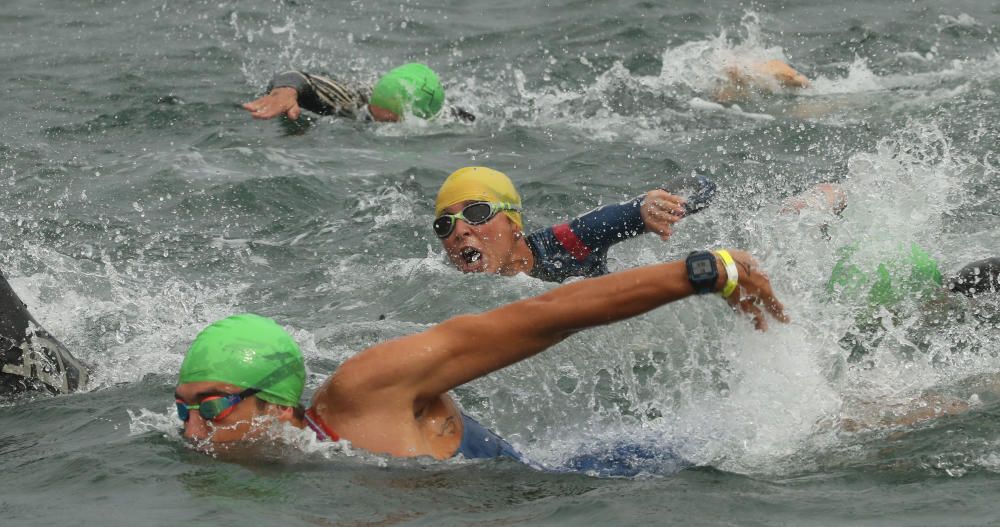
(249,351)
(911,272)
(413,87)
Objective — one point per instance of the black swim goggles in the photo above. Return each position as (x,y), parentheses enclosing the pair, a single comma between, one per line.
(214,407)
(476,213)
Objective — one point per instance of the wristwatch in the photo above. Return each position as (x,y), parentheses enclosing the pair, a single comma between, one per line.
(702,271)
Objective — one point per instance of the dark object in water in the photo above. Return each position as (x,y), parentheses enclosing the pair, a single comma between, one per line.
(698,191)
(30,357)
(978,277)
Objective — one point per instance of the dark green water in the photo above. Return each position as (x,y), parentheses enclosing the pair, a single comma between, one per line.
(139,203)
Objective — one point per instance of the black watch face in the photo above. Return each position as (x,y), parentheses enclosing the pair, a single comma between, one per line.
(701,267)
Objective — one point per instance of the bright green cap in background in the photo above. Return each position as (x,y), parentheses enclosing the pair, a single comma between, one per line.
(248,351)
(413,87)
(911,271)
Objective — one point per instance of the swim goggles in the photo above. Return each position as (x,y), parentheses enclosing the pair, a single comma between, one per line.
(476,213)
(214,407)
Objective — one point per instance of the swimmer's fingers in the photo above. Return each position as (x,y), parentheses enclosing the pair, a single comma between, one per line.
(280,101)
(748,306)
(773,306)
(659,226)
(754,291)
(665,201)
(660,210)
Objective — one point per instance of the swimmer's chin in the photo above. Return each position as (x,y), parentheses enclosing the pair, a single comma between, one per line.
(477,267)
(254,451)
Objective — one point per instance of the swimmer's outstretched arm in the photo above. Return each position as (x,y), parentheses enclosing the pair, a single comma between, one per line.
(423,366)
(786,75)
(761,76)
(291,91)
(280,101)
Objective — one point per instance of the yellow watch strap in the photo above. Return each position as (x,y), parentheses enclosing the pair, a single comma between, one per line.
(732,274)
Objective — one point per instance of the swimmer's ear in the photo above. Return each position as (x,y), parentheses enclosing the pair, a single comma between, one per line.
(283,413)
(518,231)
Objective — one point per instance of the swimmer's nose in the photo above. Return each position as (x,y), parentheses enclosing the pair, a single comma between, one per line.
(462,229)
(195,427)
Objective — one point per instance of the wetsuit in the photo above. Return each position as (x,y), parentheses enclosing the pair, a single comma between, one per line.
(327,96)
(621,459)
(481,442)
(31,358)
(580,246)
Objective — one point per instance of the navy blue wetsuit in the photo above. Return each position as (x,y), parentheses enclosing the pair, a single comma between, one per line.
(479,442)
(580,247)
(616,460)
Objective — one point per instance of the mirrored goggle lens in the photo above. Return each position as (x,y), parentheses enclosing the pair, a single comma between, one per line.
(182,411)
(474,214)
(217,407)
(211,408)
(477,213)
(443,226)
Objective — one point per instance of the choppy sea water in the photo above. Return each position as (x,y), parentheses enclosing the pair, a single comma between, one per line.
(140,203)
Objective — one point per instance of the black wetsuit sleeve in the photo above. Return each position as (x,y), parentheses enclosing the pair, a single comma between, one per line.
(324,95)
(580,247)
(29,356)
(14,318)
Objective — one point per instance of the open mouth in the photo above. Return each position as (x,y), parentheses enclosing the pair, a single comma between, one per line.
(471,256)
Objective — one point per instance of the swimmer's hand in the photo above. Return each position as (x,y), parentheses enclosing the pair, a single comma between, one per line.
(829,197)
(786,75)
(754,291)
(281,101)
(660,210)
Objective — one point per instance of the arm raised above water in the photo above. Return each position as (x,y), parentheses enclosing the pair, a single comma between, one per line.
(425,365)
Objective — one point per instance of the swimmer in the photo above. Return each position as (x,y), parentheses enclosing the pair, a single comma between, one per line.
(412,89)
(888,289)
(244,374)
(913,269)
(31,358)
(742,82)
(824,196)
(478,219)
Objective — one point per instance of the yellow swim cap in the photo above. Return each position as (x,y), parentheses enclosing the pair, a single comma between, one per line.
(478,184)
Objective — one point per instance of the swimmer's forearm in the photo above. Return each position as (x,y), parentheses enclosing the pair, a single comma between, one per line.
(290,79)
(474,345)
(607,299)
(605,226)
(307,94)
(425,365)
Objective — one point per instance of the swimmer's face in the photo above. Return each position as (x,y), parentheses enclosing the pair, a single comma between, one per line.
(246,421)
(381,114)
(485,248)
